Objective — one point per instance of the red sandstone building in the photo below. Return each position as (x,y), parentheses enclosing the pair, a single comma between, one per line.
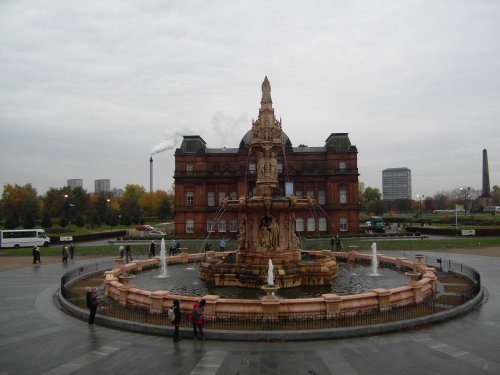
(205,176)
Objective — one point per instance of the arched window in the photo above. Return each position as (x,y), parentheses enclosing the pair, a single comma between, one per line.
(189,226)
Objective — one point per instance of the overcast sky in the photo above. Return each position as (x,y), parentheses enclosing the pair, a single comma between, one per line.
(89,88)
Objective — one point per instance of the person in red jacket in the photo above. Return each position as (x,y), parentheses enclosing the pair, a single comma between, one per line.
(196,319)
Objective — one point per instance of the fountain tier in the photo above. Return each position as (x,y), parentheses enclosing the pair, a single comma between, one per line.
(267,222)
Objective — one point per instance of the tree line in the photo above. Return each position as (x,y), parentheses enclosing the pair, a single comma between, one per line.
(371,201)
(22,206)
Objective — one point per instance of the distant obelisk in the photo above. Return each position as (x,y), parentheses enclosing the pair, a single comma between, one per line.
(486,176)
(485,199)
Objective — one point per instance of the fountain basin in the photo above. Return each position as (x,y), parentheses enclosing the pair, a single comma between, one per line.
(327,305)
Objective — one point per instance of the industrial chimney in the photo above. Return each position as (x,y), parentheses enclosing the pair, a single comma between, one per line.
(486,176)
(151,174)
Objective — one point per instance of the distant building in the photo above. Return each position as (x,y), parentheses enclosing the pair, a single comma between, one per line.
(205,176)
(102,186)
(75,183)
(396,184)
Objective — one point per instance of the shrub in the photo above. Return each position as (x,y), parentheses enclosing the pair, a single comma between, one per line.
(28,220)
(12,221)
(46,220)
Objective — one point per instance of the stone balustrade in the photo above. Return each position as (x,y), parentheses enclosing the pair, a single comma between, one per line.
(270,307)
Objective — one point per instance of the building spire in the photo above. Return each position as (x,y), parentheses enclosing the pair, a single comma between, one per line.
(266,92)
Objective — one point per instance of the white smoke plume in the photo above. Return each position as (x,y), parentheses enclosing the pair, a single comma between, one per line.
(171,138)
(227,128)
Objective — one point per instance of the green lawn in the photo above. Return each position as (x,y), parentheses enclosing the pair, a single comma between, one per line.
(194,246)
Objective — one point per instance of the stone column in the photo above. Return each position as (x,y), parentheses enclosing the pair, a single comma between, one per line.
(383,296)
(156,305)
(332,302)
(270,305)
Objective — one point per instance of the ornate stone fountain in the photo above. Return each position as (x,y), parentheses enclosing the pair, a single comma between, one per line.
(267,222)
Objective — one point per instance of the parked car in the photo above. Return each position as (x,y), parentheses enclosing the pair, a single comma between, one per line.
(156,233)
(144,228)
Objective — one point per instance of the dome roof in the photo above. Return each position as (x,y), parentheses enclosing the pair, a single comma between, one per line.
(247,137)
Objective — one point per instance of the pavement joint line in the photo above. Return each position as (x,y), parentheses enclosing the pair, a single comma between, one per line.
(209,363)
(78,363)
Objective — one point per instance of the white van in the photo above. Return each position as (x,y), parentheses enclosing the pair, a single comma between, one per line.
(23,238)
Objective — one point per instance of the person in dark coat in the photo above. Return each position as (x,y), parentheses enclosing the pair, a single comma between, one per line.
(93,305)
(337,242)
(152,250)
(36,254)
(71,250)
(64,254)
(128,253)
(196,319)
(177,321)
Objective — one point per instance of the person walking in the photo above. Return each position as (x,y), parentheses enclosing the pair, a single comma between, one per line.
(337,242)
(71,250)
(208,245)
(177,318)
(222,244)
(36,254)
(128,253)
(177,247)
(64,254)
(173,246)
(152,250)
(196,319)
(93,304)
(121,251)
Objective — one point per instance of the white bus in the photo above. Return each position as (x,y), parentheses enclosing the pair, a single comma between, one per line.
(23,238)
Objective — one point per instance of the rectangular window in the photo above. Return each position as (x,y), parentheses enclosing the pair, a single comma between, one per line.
(280,168)
(299,225)
(342,165)
(222,225)
(210,225)
(211,198)
(311,224)
(234,226)
(298,194)
(321,197)
(322,224)
(189,198)
(189,226)
(251,168)
(342,196)
(310,193)
(233,195)
(222,195)
(344,224)
(189,167)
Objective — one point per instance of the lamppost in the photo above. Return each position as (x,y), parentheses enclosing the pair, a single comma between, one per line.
(110,215)
(66,196)
(466,193)
(420,197)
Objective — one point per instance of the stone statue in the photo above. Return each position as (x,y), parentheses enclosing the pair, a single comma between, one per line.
(261,166)
(266,91)
(264,237)
(273,165)
(242,236)
(275,234)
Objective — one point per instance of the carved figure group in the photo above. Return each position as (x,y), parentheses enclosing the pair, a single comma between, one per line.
(269,235)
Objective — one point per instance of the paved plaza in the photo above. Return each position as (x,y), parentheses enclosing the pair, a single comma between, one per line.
(36,337)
